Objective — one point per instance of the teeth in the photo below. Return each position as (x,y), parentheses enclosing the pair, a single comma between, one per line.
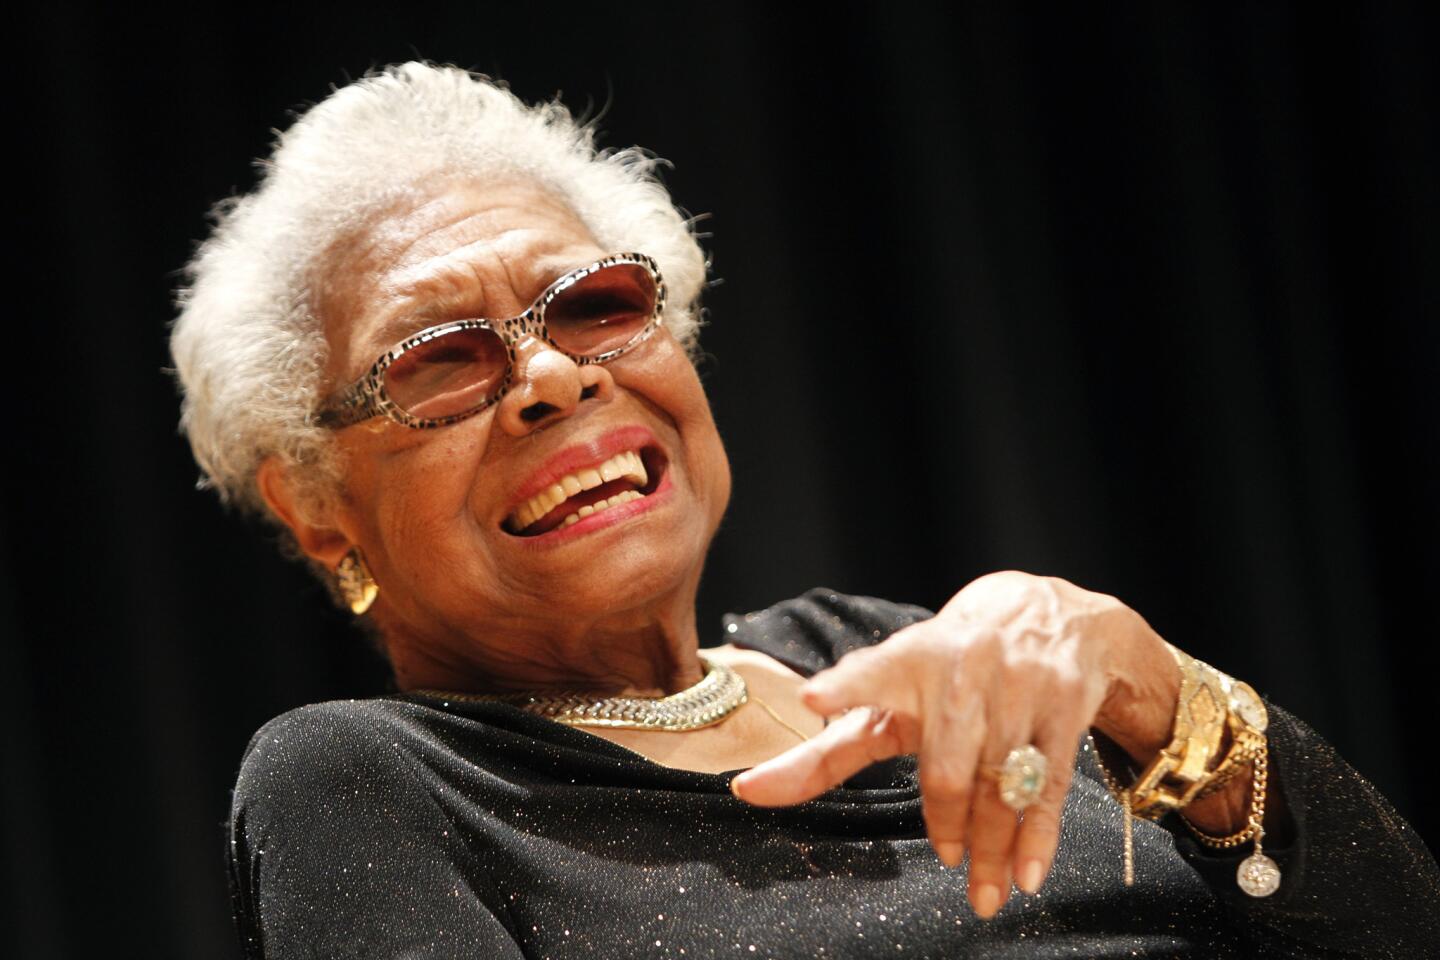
(625,496)
(627,465)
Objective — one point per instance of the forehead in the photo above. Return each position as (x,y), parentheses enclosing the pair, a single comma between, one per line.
(463,251)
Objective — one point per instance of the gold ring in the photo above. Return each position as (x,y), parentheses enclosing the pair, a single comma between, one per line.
(1021,777)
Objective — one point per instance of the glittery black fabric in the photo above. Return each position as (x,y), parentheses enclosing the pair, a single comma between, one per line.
(417,828)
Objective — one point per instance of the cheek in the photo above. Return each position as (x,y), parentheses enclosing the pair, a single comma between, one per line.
(722,474)
(705,454)
(417,496)
(666,377)
(705,451)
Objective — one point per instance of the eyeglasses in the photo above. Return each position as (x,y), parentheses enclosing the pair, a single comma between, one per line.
(446,373)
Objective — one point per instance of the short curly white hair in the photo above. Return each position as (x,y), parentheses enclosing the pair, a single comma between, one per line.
(247,345)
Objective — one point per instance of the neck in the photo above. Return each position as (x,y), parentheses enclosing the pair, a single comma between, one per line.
(649,651)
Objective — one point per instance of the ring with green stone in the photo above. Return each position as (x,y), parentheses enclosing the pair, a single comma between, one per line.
(1021,778)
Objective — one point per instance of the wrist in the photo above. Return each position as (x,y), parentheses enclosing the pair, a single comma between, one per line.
(1226,810)
(1218,729)
(1213,771)
(1138,713)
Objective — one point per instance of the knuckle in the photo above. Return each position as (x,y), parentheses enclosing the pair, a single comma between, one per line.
(859,658)
(960,696)
(945,784)
(943,823)
(885,740)
(920,640)
(1005,578)
(1052,800)
(846,726)
(983,591)
(987,865)
(856,721)
(1106,601)
(989,847)
(1059,780)
(1041,820)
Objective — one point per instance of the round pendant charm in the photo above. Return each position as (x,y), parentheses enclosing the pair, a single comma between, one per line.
(1258,875)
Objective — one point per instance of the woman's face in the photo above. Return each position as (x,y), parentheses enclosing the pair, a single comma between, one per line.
(435,512)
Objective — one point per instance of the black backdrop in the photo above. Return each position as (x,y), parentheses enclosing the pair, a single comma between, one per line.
(1141,297)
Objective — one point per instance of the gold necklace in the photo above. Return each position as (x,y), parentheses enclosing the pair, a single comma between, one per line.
(778,719)
(717,695)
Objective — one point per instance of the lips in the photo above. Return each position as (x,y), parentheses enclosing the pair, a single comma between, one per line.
(604,478)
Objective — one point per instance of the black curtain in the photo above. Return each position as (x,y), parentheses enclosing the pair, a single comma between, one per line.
(1144,297)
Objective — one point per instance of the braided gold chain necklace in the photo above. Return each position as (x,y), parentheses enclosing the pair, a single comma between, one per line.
(719,693)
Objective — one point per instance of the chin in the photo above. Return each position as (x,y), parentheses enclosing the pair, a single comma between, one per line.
(632,575)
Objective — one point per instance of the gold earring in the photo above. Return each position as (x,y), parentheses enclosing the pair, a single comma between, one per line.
(357,587)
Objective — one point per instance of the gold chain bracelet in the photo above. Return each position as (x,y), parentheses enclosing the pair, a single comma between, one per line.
(1210,706)
(1253,823)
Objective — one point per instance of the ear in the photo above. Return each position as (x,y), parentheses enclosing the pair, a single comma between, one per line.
(312,523)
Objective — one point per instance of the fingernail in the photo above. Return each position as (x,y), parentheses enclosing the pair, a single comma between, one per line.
(950,852)
(735,787)
(987,900)
(1031,873)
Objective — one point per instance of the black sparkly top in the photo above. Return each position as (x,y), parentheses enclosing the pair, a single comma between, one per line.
(410,827)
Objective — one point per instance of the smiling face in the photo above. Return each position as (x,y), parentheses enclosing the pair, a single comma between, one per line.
(528,542)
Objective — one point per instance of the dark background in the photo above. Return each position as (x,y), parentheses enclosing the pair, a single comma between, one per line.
(1142,297)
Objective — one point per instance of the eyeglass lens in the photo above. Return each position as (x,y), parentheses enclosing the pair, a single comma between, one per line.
(460,370)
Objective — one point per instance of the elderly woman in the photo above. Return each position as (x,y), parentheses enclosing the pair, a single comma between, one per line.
(447,346)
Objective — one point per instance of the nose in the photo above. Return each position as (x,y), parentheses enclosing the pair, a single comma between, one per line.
(547,387)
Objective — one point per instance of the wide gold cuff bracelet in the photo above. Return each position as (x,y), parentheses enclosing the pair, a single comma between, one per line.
(1219,729)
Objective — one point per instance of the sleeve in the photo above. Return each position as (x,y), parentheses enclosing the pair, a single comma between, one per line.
(817,628)
(337,849)
(1356,879)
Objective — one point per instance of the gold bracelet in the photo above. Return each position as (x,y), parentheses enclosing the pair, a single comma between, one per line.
(1252,821)
(1210,705)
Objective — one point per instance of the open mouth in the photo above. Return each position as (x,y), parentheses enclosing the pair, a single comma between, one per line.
(626,477)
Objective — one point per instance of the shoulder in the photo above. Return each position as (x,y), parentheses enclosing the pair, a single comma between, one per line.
(316,753)
(339,846)
(817,628)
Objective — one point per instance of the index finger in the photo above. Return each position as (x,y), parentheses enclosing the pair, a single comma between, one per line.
(850,744)
(887,675)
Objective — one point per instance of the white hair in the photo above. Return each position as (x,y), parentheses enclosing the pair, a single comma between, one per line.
(248,346)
